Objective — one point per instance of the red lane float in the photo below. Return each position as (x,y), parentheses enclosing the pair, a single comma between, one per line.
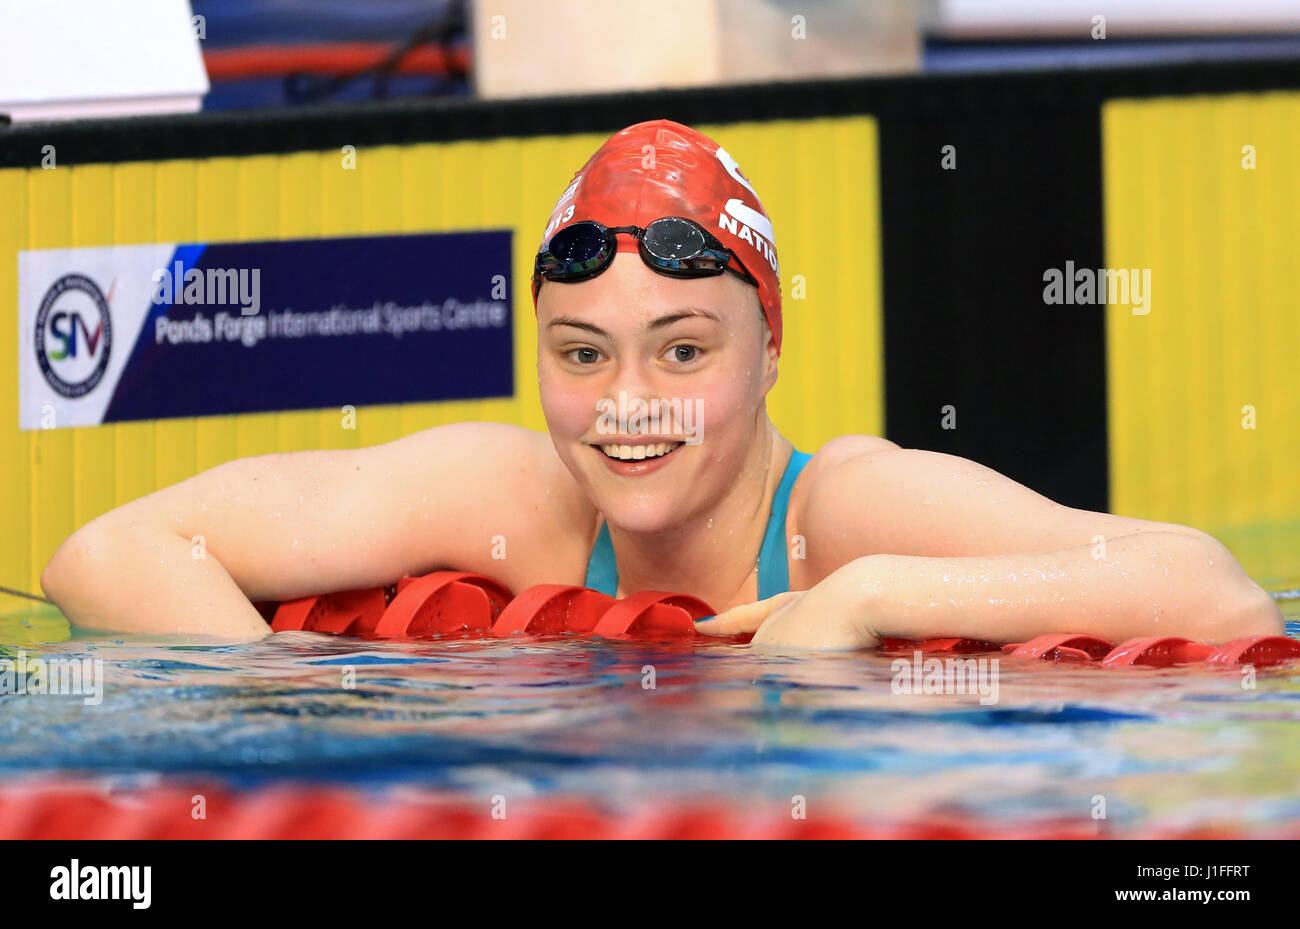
(1146,651)
(1059,646)
(553,608)
(81,812)
(1256,650)
(348,612)
(956,646)
(653,612)
(1156,651)
(443,603)
(460,603)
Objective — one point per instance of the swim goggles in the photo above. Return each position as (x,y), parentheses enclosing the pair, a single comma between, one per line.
(672,245)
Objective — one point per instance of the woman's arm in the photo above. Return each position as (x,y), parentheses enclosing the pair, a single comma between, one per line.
(925,545)
(1149,583)
(1011,598)
(189,558)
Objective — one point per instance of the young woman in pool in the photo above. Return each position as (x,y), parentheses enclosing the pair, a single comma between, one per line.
(861,540)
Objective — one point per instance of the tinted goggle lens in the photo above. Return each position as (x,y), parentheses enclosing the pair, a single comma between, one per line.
(577,250)
(673,240)
(679,246)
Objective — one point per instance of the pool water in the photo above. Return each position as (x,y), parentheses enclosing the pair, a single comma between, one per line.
(621,723)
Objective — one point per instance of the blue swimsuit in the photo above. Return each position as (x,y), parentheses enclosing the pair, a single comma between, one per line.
(773,571)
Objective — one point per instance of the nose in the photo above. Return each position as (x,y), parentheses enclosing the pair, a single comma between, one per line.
(629,397)
(633,378)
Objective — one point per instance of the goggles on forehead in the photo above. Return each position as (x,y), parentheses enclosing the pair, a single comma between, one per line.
(672,245)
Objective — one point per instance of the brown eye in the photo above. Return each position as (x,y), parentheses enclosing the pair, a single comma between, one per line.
(584,356)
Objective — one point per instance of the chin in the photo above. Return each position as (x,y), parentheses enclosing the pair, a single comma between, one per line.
(641,517)
(643,505)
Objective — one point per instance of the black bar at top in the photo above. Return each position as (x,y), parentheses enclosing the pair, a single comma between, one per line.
(289,129)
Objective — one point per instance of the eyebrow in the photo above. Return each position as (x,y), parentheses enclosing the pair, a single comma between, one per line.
(688,312)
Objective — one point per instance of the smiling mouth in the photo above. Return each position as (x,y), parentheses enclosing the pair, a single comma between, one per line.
(639,452)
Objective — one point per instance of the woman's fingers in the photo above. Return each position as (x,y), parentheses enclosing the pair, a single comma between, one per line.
(746,618)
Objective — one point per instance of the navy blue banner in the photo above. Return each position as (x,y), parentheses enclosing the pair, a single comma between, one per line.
(266,326)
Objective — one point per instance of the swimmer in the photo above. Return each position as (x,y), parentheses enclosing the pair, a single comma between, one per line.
(657,280)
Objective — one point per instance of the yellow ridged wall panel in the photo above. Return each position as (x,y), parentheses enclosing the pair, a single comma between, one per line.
(1224,324)
(133,443)
(831,379)
(17,537)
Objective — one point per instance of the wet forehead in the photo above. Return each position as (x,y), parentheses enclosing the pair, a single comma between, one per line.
(629,297)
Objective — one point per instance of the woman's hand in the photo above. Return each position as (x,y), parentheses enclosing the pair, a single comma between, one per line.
(829,616)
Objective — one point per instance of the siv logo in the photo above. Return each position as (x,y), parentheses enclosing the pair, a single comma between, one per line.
(74,335)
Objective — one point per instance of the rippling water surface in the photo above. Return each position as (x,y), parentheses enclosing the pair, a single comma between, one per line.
(1165,747)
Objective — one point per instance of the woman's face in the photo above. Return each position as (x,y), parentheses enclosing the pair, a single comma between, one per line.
(635,358)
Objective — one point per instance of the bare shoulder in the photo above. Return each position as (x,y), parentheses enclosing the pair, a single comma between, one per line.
(877,490)
(479,435)
(494,447)
(828,462)
(813,502)
(868,497)
(516,507)
(841,449)
(497,463)
(882,498)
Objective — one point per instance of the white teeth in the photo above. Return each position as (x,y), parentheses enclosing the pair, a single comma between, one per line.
(638,452)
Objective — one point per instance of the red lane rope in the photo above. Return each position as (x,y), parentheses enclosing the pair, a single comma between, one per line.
(463,604)
(197,811)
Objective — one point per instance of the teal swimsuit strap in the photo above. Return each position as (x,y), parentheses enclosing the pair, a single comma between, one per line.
(602,572)
(773,571)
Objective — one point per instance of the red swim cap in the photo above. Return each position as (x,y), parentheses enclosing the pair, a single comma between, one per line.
(662,168)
